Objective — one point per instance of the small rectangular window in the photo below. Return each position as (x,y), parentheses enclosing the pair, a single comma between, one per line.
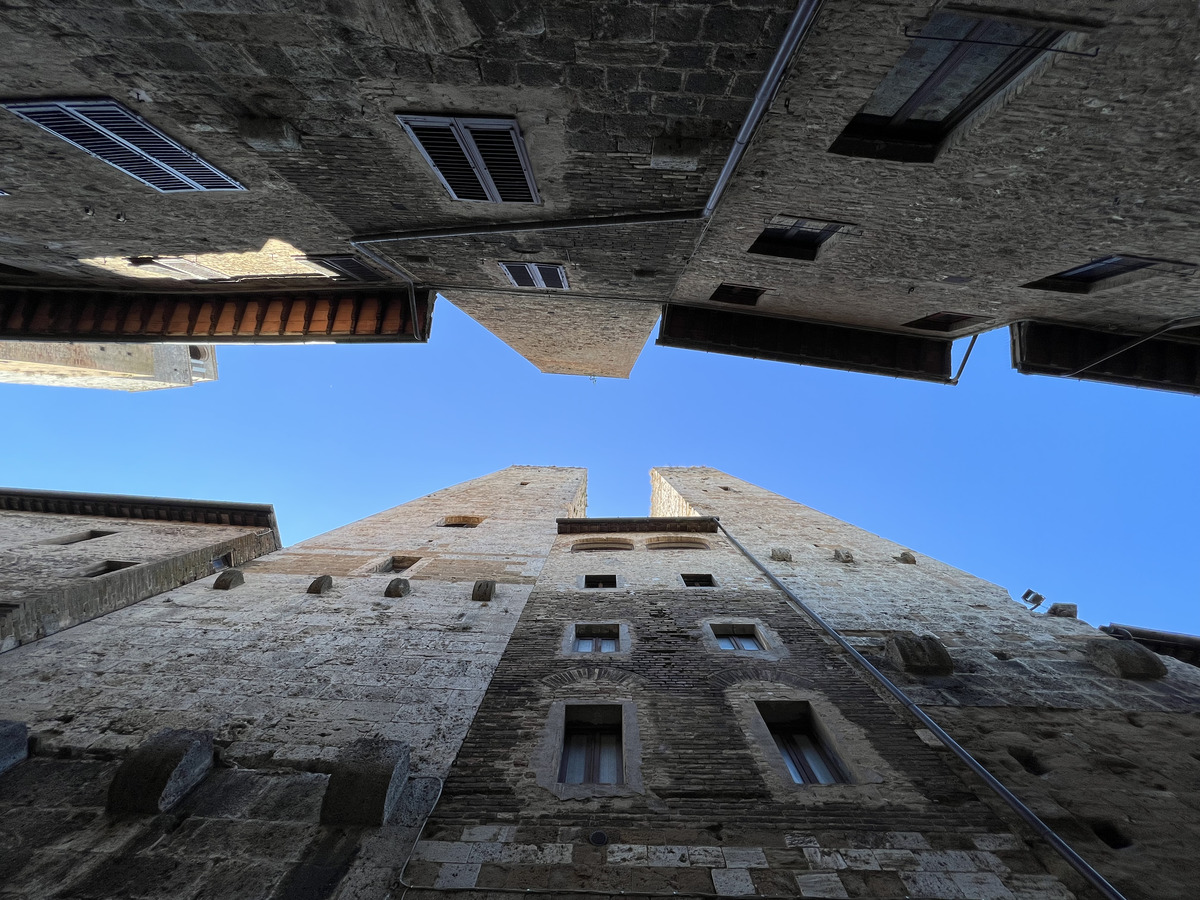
(77,537)
(599,581)
(1109,272)
(945,321)
(348,266)
(224,561)
(796,239)
(126,141)
(950,72)
(400,564)
(592,751)
(737,637)
(741,294)
(798,740)
(475,159)
(103,568)
(597,638)
(536,275)
(698,580)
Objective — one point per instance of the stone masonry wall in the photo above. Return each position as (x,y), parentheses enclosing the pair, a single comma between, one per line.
(1091,157)
(287,682)
(44,586)
(1106,761)
(707,808)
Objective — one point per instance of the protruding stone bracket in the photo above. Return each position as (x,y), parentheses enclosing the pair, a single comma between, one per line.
(907,557)
(160,772)
(366,783)
(229,579)
(1125,659)
(919,654)
(843,554)
(398,587)
(14,744)
(322,584)
(781,554)
(1063,610)
(483,591)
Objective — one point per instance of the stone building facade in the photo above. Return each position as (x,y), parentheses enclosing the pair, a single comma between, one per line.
(484,692)
(833,183)
(112,367)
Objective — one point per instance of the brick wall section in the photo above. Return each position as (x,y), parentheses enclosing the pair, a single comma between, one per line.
(1081,747)
(715,816)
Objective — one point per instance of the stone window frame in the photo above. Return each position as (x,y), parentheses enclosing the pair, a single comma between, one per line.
(866,137)
(547,757)
(798,716)
(773,648)
(624,640)
(863,766)
(580,582)
(461,521)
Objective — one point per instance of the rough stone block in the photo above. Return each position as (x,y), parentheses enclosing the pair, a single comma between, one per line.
(398,587)
(843,554)
(416,802)
(483,591)
(733,882)
(229,579)
(366,782)
(1125,659)
(907,557)
(269,135)
(321,584)
(14,744)
(676,154)
(160,772)
(781,554)
(821,884)
(1063,610)
(919,654)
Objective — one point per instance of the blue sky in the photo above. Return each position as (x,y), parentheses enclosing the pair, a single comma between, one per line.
(1087,493)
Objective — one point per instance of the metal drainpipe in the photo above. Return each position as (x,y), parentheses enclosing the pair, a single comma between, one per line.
(1077,862)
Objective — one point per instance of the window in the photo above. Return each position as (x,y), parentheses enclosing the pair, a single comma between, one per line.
(741,294)
(399,564)
(178,268)
(945,321)
(77,537)
(347,266)
(592,545)
(737,637)
(698,580)
(954,67)
(126,141)
(597,638)
(461,521)
(599,581)
(103,568)
(536,275)
(591,751)
(797,737)
(224,561)
(676,542)
(1109,272)
(796,238)
(483,160)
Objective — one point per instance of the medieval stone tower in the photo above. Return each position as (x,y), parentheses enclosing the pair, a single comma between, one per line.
(484,692)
